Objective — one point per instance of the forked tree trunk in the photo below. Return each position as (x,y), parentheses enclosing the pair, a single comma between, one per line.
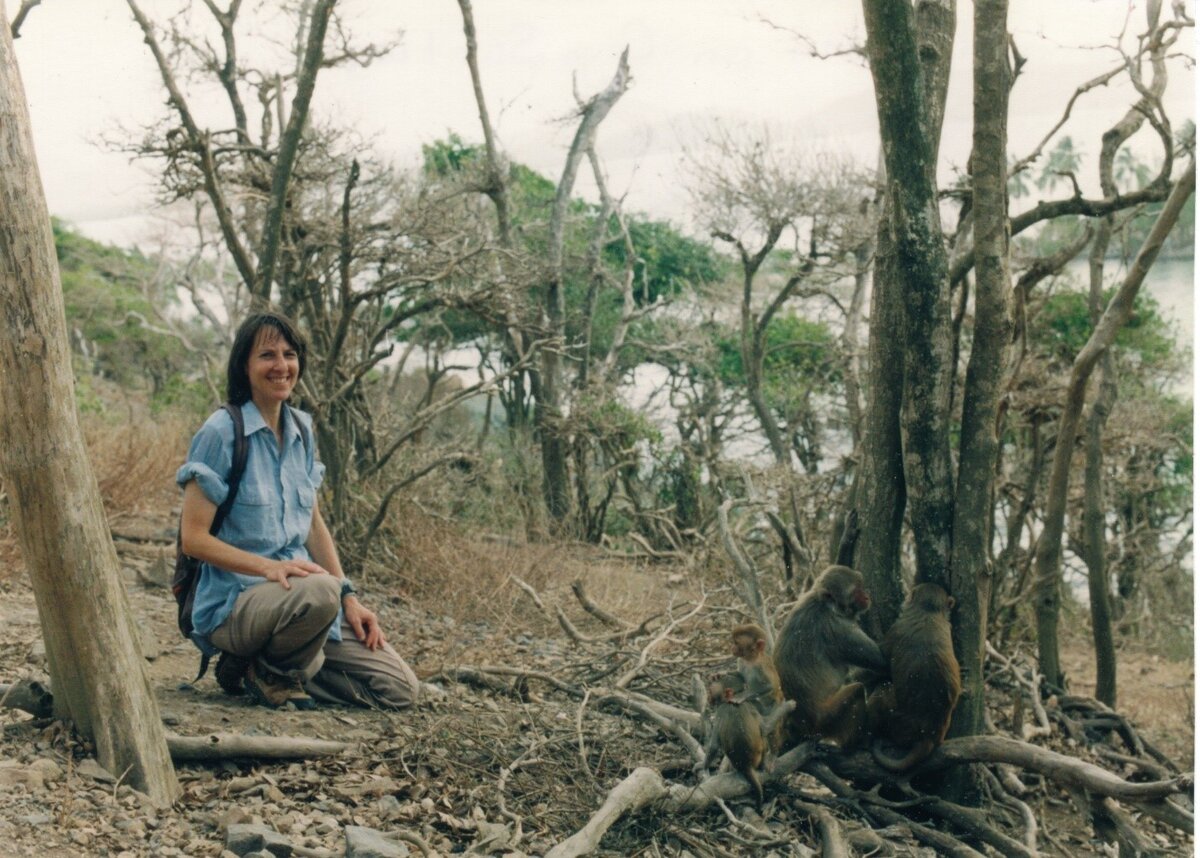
(1093,480)
(910,153)
(97,672)
(882,494)
(555,475)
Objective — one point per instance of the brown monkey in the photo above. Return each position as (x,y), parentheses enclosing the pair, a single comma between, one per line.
(913,710)
(821,641)
(749,645)
(737,730)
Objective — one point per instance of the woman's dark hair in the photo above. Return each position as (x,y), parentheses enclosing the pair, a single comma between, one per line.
(237,382)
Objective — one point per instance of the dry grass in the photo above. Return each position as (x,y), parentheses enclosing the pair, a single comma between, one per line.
(449,571)
(134,463)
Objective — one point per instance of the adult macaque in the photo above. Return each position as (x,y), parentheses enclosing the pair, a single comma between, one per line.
(913,710)
(821,641)
(737,731)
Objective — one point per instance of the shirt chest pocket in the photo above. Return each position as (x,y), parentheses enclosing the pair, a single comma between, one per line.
(256,512)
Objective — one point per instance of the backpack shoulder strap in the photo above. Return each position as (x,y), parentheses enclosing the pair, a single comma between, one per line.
(238,467)
(303,429)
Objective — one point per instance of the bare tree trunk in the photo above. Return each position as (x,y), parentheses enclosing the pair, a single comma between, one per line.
(909,147)
(1093,493)
(555,482)
(881,494)
(1048,577)
(970,575)
(1048,556)
(98,675)
(497,181)
(289,146)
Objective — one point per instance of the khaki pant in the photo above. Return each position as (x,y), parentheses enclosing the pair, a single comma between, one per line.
(285,631)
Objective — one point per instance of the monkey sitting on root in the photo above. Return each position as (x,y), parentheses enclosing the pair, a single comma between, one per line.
(739,731)
(749,645)
(821,641)
(913,709)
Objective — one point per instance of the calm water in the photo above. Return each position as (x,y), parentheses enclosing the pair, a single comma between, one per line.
(1171,282)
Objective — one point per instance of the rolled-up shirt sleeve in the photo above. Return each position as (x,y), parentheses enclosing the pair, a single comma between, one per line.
(209,457)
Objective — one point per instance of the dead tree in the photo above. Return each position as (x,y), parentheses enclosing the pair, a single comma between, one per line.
(96,668)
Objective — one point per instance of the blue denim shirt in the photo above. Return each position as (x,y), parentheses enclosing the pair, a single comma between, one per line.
(271,515)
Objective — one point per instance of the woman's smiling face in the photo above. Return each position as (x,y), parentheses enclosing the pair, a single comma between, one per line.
(273,367)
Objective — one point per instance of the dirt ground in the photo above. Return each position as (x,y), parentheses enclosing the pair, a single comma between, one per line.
(494,773)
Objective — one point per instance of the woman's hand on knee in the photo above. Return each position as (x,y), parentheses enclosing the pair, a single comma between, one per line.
(281,570)
(364,622)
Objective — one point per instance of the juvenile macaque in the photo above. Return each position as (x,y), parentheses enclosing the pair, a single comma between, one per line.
(737,731)
(762,680)
(821,641)
(913,710)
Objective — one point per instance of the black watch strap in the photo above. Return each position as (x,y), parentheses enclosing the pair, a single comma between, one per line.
(347,588)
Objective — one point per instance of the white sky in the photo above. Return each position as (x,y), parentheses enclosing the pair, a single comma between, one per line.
(87,72)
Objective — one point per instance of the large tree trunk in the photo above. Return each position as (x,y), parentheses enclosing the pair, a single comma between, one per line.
(1048,578)
(880,497)
(98,675)
(970,582)
(910,152)
(882,493)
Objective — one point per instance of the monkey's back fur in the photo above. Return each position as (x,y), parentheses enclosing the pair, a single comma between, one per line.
(913,711)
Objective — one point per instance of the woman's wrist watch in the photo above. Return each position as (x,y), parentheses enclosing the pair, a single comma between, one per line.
(347,588)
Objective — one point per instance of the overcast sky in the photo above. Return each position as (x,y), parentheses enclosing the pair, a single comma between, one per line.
(87,73)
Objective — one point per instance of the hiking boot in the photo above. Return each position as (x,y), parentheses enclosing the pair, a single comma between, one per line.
(231,670)
(275,690)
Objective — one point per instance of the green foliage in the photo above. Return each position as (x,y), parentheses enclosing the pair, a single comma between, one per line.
(613,423)
(105,308)
(1062,161)
(665,260)
(446,158)
(1063,326)
(799,353)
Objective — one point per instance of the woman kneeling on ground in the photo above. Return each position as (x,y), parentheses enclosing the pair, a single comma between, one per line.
(272,598)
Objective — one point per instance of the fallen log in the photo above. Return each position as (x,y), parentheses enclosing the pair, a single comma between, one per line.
(33,697)
(224,746)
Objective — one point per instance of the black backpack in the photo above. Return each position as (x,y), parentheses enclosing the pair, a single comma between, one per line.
(187,568)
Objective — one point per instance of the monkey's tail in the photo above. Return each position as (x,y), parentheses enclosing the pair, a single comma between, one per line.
(919,751)
(751,774)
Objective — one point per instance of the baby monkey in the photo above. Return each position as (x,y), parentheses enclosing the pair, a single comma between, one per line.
(737,730)
(749,646)
(755,665)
